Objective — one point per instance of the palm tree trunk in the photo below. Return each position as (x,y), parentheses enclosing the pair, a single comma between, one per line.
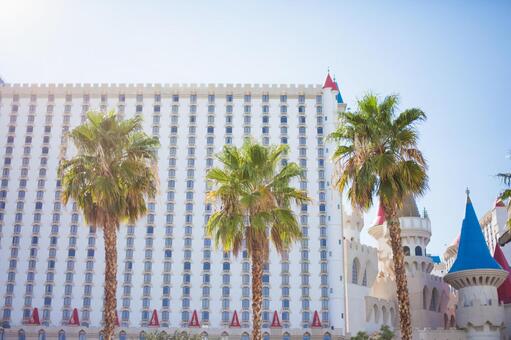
(110,302)
(399,271)
(257,293)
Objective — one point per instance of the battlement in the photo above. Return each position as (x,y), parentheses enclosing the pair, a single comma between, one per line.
(415,223)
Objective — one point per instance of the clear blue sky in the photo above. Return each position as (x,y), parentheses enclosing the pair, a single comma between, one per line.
(453,61)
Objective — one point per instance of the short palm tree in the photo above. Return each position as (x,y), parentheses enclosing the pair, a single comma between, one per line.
(255,208)
(377,155)
(109,179)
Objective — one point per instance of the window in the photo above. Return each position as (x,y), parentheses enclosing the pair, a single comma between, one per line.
(434,300)
(406,250)
(355,268)
(418,251)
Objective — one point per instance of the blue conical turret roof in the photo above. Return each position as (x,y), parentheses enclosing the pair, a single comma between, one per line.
(473,253)
(338,97)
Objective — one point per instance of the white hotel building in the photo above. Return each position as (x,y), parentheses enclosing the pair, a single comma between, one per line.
(53,262)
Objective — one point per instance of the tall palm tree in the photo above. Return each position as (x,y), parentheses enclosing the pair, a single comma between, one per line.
(109,179)
(255,199)
(377,155)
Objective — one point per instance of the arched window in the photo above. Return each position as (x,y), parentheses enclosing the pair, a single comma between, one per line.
(204,336)
(376,314)
(286,336)
(406,250)
(123,336)
(364,278)
(141,336)
(392,317)
(266,336)
(306,336)
(62,335)
(101,336)
(355,268)
(327,336)
(1,334)
(40,336)
(418,251)
(82,335)
(384,315)
(453,322)
(446,321)
(244,336)
(434,300)
(425,298)
(224,336)
(21,334)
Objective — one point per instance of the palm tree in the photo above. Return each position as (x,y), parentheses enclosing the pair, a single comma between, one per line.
(109,179)
(506,195)
(506,178)
(255,210)
(377,154)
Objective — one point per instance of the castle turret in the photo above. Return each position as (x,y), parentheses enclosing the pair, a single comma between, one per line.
(476,275)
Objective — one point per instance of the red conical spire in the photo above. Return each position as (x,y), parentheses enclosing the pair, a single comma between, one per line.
(75,320)
(504,290)
(154,322)
(194,322)
(276,321)
(380,216)
(329,83)
(235,322)
(335,88)
(316,322)
(34,319)
(499,203)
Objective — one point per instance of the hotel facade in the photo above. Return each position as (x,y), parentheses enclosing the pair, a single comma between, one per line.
(170,273)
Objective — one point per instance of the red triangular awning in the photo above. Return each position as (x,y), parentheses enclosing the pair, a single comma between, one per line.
(316,322)
(504,290)
(235,322)
(154,322)
(276,321)
(117,319)
(75,320)
(194,322)
(329,83)
(34,318)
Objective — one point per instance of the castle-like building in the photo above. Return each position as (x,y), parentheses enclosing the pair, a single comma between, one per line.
(466,297)
(170,275)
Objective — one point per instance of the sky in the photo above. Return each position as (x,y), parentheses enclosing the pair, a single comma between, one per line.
(452,59)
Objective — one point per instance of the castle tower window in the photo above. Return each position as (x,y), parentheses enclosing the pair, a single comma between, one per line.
(434,299)
(355,268)
(425,298)
(418,251)
(406,250)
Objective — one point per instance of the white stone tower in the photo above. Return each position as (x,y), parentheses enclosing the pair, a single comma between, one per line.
(476,276)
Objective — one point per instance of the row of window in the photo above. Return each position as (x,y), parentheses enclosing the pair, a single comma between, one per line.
(175,98)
